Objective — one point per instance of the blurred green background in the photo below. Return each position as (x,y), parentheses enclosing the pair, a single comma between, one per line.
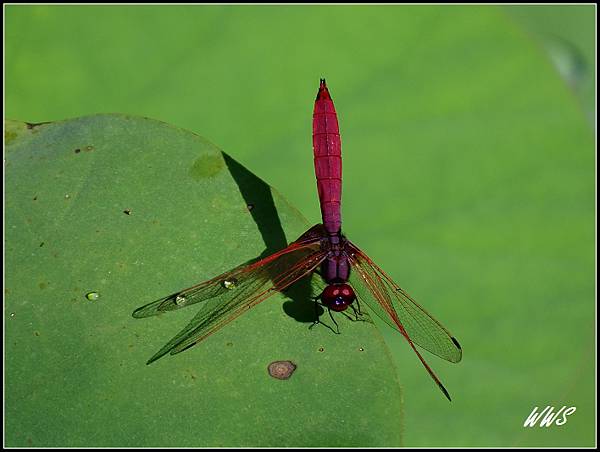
(468,164)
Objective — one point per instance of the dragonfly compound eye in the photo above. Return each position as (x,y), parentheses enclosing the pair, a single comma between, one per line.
(338,296)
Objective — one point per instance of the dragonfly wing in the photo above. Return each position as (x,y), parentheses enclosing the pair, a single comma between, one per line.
(394,306)
(245,277)
(403,313)
(229,295)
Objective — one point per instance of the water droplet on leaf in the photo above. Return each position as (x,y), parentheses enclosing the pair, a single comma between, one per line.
(92,296)
(230,283)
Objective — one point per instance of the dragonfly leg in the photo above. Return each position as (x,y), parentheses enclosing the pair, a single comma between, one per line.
(333,320)
(356,313)
(317,321)
(349,317)
(357,304)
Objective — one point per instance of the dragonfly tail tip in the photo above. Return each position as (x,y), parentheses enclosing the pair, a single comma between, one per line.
(323,91)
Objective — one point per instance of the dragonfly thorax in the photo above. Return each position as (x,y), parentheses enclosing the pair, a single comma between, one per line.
(335,268)
(338,297)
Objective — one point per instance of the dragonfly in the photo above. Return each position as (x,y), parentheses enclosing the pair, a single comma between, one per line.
(349,276)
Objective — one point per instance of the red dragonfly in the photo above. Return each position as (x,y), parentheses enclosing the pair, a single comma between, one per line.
(323,249)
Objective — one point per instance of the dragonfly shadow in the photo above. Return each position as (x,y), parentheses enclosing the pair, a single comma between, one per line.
(261,205)
(303,306)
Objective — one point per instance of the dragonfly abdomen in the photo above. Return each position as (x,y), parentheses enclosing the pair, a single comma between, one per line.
(327,148)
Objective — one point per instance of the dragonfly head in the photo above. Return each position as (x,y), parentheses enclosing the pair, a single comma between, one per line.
(338,296)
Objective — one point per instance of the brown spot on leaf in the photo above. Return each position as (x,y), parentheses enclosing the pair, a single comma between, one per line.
(282,370)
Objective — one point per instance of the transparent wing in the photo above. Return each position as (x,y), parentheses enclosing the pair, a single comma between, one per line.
(229,295)
(395,307)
